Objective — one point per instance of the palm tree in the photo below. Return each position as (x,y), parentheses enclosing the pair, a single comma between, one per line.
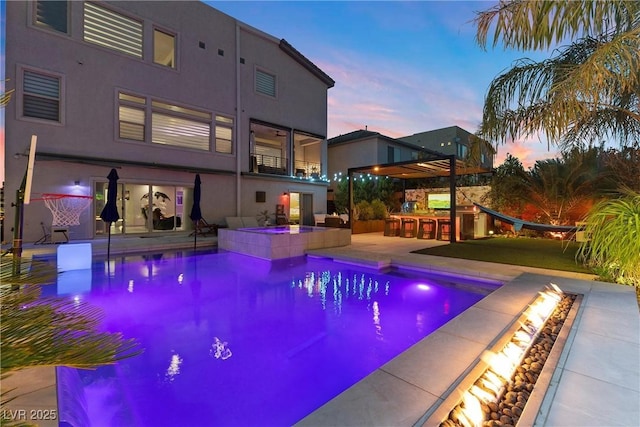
(51,331)
(589,91)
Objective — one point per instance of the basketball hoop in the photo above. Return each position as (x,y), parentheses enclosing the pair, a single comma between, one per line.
(65,208)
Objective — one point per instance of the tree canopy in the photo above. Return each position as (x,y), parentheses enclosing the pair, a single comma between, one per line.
(588,90)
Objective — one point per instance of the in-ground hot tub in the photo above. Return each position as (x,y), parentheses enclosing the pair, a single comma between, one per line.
(281,241)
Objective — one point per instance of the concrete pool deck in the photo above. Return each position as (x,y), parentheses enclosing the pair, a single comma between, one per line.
(596,381)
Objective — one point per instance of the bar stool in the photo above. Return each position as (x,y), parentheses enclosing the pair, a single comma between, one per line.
(426,229)
(392,227)
(444,229)
(408,227)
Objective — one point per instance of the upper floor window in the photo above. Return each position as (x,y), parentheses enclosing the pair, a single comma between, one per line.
(145,119)
(164,48)
(462,151)
(224,135)
(393,154)
(112,30)
(41,96)
(52,15)
(265,83)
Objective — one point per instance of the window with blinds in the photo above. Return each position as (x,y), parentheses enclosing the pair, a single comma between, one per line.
(224,135)
(112,30)
(179,132)
(52,15)
(41,96)
(265,83)
(171,124)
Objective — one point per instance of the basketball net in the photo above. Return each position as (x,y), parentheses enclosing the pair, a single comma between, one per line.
(66,208)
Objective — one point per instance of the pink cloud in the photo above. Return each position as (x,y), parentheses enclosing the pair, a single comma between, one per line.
(527,151)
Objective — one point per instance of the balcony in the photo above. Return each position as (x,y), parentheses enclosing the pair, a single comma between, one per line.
(273,165)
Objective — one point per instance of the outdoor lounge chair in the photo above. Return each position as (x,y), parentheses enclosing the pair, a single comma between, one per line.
(234,222)
(203,228)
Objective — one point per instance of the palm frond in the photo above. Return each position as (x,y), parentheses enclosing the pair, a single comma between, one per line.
(539,25)
(613,227)
(29,272)
(55,332)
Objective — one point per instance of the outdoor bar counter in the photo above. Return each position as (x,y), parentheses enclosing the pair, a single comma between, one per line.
(439,221)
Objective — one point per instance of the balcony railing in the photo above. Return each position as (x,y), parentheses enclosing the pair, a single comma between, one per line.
(273,165)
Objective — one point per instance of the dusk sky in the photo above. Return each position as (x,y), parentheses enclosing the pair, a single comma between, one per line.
(400,67)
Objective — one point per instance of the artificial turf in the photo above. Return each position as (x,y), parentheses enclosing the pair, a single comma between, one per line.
(541,253)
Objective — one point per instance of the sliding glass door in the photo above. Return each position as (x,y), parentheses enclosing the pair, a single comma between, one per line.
(144,208)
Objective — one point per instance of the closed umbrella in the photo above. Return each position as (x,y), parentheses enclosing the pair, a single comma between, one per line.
(109,213)
(196,213)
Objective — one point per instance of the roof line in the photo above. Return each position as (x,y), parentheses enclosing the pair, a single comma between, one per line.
(306,63)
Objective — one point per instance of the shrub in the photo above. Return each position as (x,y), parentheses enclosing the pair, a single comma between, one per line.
(379,209)
(613,249)
(365,211)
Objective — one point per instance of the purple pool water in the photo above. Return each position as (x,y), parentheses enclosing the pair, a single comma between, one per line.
(232,340)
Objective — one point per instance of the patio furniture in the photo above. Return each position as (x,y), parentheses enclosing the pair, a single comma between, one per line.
(444,229)
(426,229)
(203,228)
(408,227)
(281,217)
(392,227)
(333,221)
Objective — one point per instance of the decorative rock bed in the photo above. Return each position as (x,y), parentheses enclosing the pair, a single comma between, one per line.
(493,400)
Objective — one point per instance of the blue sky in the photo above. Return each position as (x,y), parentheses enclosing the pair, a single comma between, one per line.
(400,67)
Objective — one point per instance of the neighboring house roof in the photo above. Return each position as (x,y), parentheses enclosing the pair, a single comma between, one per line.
(413,139)
(365,134)
(306,63)
(354,136)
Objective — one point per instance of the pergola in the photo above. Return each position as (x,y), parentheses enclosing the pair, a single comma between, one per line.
(432,166)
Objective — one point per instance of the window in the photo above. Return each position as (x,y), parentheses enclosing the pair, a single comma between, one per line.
(265,83)
(180,126)
(462,151)
(112,30)
(393,154)
(52,15)
(131,117)
(224,135)
(164,48)
(171,124)
(41,96)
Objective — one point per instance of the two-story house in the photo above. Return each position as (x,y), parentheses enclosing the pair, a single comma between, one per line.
(457,141)
(160,91)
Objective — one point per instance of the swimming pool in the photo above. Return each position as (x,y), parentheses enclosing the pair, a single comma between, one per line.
(234,340)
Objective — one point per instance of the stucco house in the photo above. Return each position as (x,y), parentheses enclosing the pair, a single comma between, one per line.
(160,91)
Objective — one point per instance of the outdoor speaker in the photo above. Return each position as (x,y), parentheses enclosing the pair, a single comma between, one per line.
(261,197)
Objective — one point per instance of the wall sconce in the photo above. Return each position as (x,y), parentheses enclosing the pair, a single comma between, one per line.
(285,194)
(76,183)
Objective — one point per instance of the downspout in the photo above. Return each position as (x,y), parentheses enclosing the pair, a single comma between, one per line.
(237,125)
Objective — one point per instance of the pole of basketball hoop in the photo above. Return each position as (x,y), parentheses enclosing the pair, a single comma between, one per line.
(23,196)
(17,228)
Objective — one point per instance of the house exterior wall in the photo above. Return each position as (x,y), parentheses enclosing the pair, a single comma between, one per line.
(365,152)
(446,141)
(209,76)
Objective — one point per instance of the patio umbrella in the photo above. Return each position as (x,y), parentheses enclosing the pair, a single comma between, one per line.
(109,213)
(196,213)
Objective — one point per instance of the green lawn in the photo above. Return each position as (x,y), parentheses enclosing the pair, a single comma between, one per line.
(542,253)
